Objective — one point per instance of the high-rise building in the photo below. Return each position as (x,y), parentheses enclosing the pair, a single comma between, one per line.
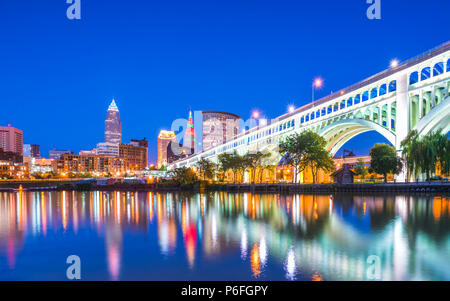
(218,128)
(11,139)
(108,149)
(56,154)
(10,156)
(113,125)
(164,139)
(189,136)
(176,151)
(90,163)
(32,150)
(135,154)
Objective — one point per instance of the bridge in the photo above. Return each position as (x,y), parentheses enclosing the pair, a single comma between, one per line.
(412,96)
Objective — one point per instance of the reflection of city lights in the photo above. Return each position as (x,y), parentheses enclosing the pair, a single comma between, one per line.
(244,244)
(255,261)
(289,265)
(225,222)
(317,277)
(263,251)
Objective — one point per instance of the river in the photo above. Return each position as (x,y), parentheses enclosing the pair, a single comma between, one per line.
(224,236)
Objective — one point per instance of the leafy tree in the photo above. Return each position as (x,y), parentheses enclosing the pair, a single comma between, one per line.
(306,149)
(253,161)
(360,169)
(225,163)
(318,158)
(233,162)
(206,168)
(411,153)
(183,175)
(384,160)
(423,153)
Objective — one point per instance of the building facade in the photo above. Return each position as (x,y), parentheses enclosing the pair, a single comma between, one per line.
(11,165)
(218,128)
(11,139)
(56,154)
(189,135)
(113,125)
(91,164)
(32,150)
(135,154)
(108,149)
(164,139)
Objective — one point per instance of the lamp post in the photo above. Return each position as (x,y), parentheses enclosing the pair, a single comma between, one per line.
(317,83)
(394,63)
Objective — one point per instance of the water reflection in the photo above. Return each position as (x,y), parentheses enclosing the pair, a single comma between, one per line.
(222,235)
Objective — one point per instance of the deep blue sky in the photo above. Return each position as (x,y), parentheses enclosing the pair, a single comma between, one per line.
(160,58)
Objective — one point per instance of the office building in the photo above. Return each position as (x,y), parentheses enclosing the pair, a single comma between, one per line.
(32,150)
(164,139)
(113,125)
(218,128)
(135,154)
(56,154)
(91,164)
(107,149)
(189,136)
(11,139)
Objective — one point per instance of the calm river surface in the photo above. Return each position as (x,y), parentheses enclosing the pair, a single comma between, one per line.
(223,236)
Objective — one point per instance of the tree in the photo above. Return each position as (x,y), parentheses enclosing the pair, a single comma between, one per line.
(423,153)
(205,168)
(360,168)
(253,161)
(225,163)
(384,160)
(318,158)
(183,175)
(411,153)
(306,149)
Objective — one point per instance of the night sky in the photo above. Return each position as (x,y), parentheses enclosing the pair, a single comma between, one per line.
(158,59)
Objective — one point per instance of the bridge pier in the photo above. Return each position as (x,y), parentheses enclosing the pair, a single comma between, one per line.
(401,128)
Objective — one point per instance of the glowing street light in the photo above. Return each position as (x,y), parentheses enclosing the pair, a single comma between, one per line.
(291,108)
(394,63)
(255,114)
(317,84)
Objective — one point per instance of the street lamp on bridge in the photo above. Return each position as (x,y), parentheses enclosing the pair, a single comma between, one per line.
(317,84)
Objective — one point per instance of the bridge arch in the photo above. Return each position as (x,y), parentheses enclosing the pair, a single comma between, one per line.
(437,119)
(339,132)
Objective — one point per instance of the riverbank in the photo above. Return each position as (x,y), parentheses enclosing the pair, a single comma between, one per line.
(420,187)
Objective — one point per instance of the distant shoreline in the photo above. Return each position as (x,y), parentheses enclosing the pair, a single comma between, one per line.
(70,185)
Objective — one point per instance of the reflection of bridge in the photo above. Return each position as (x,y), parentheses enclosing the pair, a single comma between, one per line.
(341,250)
(414,95)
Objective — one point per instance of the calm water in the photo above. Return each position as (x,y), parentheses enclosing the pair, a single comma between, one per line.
(222,236)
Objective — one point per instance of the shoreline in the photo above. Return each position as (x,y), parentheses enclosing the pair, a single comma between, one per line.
(420,187)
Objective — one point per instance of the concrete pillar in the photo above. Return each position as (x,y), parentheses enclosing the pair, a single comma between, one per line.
(420,103)
(402,117)
(433,101)
(388,116)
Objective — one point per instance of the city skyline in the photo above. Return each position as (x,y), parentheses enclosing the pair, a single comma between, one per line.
(233,73)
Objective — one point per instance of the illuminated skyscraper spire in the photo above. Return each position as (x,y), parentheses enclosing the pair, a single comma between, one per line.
(113,125)
(113,106)
(189,135)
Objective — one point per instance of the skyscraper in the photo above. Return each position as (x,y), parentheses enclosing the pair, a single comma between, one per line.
(32,150)
(113,126)
(218,128)
(11,139)
(189,135)
(164,139)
